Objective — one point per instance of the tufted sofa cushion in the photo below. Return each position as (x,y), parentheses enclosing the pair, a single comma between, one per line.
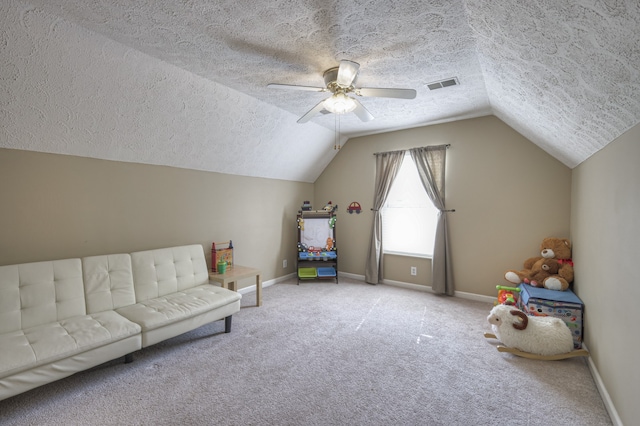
(163,310)
(108,282)
(166,271)
(24,349)
(33,294)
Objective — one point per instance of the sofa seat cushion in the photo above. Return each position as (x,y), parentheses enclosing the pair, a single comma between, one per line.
(24,349)
(158,312)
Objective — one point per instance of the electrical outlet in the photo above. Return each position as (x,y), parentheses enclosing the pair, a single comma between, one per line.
(284,263)
(414,270)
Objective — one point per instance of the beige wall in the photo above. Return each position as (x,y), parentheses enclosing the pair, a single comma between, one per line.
(605,226)
(56,206)
(508,195)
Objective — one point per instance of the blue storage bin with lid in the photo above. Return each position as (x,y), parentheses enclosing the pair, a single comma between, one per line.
(566,305)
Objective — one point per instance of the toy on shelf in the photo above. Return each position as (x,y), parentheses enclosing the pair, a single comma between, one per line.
(221,266)
(219,255)
(305,210)
(329,207)
(329,245)
(507,295)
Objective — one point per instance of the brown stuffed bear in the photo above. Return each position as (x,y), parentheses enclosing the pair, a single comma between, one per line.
(542,270)
(550,248)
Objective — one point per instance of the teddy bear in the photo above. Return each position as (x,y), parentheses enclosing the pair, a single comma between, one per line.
(550,248)
(541,270)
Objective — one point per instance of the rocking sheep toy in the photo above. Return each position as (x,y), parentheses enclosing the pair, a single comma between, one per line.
(546,338)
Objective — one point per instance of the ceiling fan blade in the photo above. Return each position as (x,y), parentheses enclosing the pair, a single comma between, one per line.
(347,73)
(294,87)
(362,112)
(386,93)
(312,112)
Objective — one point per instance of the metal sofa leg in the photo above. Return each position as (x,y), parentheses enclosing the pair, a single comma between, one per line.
(227,324)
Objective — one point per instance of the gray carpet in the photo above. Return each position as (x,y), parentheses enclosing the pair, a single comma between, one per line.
(325,354)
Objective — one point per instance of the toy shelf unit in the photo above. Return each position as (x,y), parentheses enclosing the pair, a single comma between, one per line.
(317,252)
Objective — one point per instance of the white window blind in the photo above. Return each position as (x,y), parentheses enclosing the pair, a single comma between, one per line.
(408,216)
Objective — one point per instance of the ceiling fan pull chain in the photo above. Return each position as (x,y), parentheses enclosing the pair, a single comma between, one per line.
(338,135)
(336,144)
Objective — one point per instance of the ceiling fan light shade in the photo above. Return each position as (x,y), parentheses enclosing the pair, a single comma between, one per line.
(340,104)
(347,73)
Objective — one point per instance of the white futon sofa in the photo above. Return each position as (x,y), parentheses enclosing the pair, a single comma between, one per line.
(64,316)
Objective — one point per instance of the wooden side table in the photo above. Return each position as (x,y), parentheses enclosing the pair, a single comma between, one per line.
(236,272)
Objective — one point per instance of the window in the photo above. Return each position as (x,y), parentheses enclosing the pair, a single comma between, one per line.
(408,216)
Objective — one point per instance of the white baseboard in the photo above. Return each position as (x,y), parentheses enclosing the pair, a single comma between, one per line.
(352,276)
(388,282)
(265,284)
(476,297)
(604,394)
(410,286)
(460,294)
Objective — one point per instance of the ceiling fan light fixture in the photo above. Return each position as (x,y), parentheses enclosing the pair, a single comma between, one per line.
(341,81)
(347,73)
(340,103)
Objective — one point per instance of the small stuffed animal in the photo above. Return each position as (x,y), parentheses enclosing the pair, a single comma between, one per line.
(550,248)
(541,270)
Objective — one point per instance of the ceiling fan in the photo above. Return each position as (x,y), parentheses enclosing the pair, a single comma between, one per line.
(340,81)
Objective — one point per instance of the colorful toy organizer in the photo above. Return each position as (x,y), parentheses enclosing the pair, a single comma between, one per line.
(317,252)
(219,254)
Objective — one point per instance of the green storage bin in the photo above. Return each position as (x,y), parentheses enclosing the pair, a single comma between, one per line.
(307,273)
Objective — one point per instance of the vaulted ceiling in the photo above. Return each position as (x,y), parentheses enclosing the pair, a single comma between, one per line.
(565,74)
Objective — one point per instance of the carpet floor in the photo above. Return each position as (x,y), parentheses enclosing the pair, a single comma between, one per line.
(321,353)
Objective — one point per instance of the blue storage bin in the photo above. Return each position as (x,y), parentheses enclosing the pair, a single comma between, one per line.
(326,272)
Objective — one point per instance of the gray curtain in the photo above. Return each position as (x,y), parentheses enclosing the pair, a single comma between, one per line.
(387,167)
(430,162)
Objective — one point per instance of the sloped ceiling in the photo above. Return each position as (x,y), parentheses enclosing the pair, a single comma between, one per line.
(564,74)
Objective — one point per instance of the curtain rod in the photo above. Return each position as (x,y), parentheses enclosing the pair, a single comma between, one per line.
(408,149)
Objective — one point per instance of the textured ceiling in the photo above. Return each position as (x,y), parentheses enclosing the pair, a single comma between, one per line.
(565,74)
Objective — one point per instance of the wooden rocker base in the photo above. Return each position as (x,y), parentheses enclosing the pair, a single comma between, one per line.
(529,355)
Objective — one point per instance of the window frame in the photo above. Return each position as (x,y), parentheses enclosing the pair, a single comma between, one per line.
(396,252)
